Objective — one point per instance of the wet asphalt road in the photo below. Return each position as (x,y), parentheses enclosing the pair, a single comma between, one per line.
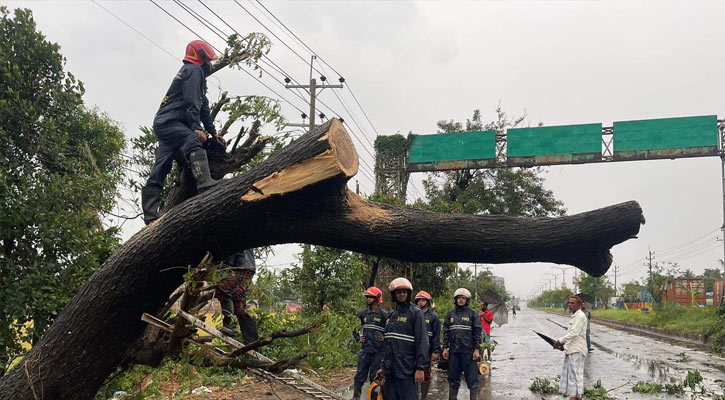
(619,360)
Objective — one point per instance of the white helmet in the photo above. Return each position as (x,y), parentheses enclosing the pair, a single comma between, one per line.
(462,292)
(401,283)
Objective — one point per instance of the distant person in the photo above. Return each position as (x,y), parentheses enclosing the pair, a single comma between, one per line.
(575,349)
(461,344)
(433,324)
(372,328)
(513,310)
(486,317)
(406,344)
(589,319)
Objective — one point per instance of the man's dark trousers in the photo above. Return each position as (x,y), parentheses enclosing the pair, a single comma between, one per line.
(175,140)
(400,388)
(368,363)
(462,362)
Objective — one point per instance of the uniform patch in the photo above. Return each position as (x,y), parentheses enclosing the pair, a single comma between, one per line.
(465,319)
(402,319)
(451,319)
(427,321)
(376,319)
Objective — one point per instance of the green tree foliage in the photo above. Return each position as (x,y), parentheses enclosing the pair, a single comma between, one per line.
(514,192)
(552,298)
(710,276)
(632,292)
(600,288)
(60,168)
(326,276)
(663,275)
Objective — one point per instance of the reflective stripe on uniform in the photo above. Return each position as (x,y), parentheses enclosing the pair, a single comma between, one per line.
(399,336)
(371,326)
(466,327)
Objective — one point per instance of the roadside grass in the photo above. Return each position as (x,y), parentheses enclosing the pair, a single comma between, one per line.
(694,320)
(676,319)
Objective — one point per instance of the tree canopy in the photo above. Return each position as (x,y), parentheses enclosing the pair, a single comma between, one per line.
(60,167)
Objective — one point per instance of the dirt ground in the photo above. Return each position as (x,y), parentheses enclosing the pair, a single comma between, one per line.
(254,388)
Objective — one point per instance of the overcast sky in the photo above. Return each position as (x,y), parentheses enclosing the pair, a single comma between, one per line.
(411,64)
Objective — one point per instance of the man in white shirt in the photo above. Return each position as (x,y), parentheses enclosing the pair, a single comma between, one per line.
(575,348)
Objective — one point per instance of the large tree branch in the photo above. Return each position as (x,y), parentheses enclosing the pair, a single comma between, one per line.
(297,195)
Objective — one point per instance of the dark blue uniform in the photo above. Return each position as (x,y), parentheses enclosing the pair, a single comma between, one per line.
(184,109)
(461,336)
(372,326)
(406,351)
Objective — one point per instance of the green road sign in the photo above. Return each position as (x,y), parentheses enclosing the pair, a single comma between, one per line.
(570,144)
(554,144)
(459,150)
(666,138)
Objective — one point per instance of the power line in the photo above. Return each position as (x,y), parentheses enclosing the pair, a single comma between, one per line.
(363,163)
(135,30)
(201,37)
(296,37)
(275,35)
(183,24)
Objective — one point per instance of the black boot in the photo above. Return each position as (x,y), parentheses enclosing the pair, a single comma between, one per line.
(150,201)
(200,170)
(452,393)
(356,393)
(474,394)
(424,387)
(227,321)
(248,326)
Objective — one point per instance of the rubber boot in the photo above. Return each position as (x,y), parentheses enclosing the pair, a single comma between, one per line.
(424,387)
(474,394)
(200,170)
(150,201)
(356,393)
(227,321)
(248,326)
(452,393)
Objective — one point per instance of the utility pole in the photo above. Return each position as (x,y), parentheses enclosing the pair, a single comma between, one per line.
(650,257)
(721,148)
(313,87)
(616,269)
(475,274)
(554,275)
(563,274)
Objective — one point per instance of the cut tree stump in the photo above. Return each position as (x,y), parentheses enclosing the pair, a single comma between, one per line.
(297,195)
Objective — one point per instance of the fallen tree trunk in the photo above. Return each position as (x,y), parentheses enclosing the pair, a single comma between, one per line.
(297,195)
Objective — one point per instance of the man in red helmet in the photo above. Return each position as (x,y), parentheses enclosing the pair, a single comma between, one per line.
(372,326)
(406,354)
(178,127)
(433,325)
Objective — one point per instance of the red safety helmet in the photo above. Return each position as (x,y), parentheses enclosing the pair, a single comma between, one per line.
(372,291)
(424,295)
(198,52)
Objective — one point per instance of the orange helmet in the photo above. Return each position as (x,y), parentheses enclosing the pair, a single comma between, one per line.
(372,291)
(424,295)
(198,52)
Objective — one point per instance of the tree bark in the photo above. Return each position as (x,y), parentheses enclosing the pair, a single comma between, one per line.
(297,195)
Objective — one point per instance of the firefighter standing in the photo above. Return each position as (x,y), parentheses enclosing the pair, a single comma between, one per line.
(178,127)
(372,327)
(406,344)
(433,325)
(461,341)
(232,294)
